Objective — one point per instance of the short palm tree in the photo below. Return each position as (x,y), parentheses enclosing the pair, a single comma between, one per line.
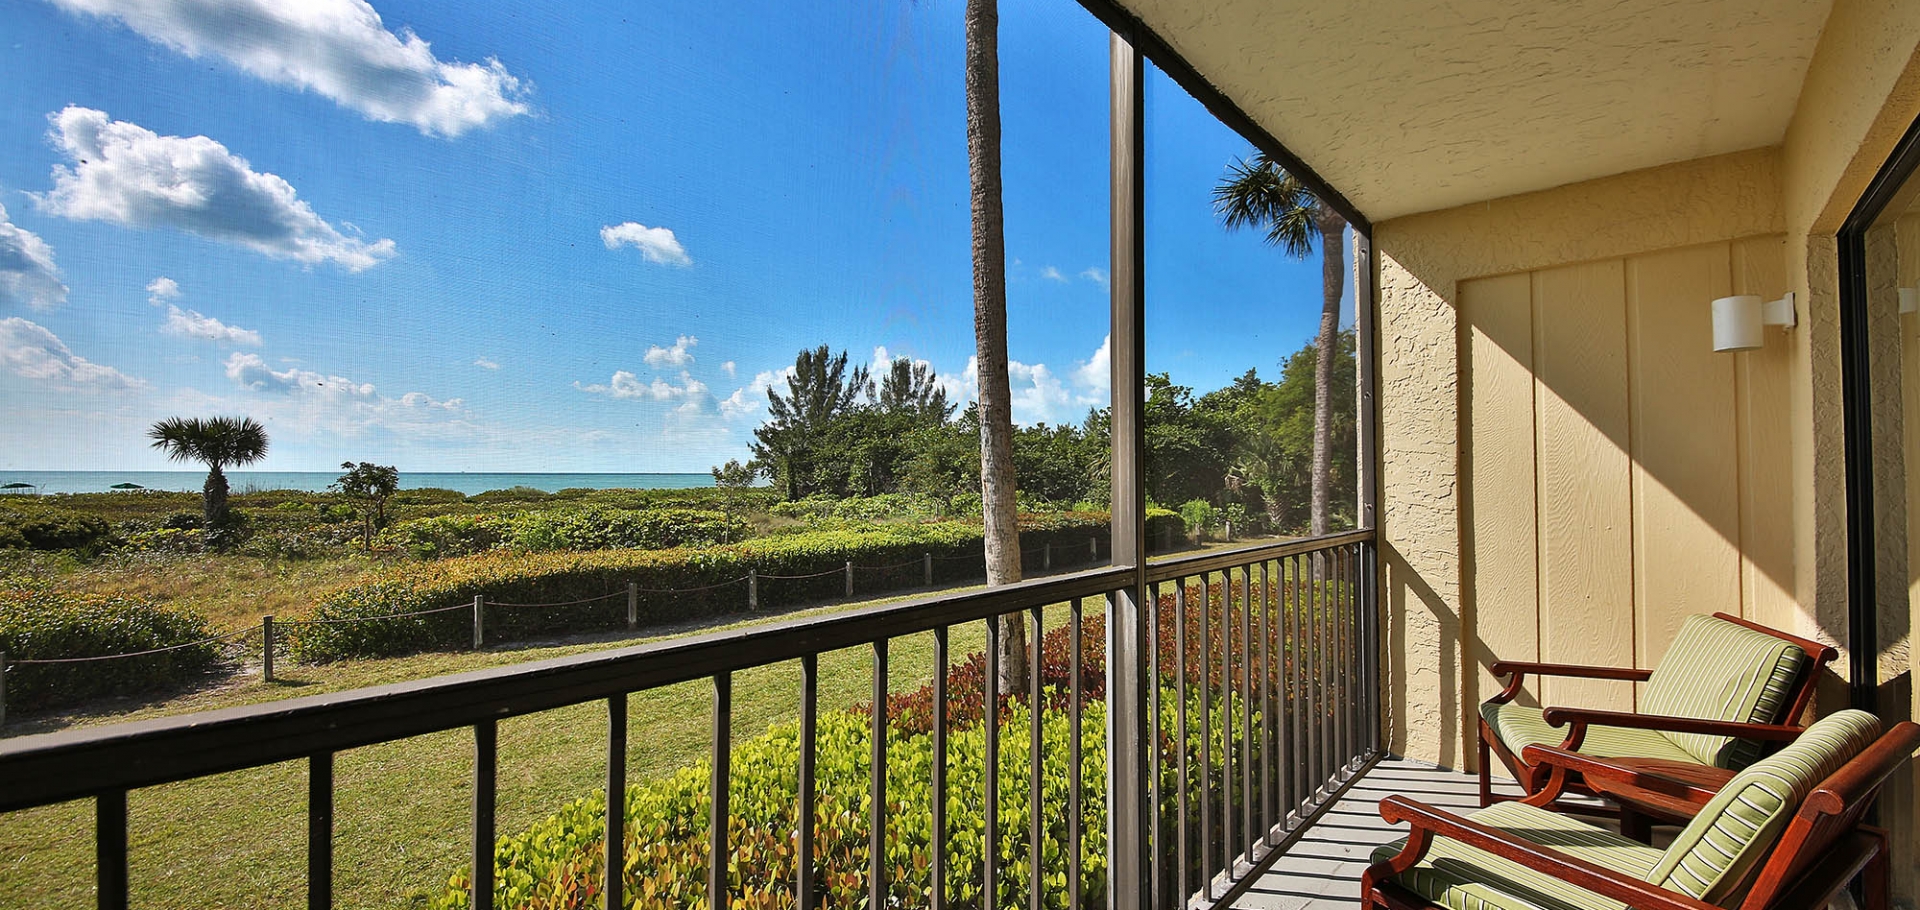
(217,442)
(1258,193)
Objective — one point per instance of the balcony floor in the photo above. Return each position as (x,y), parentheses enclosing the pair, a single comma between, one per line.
(1322,870)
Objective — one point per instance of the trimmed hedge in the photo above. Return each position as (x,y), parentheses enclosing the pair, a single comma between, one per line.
(40,624)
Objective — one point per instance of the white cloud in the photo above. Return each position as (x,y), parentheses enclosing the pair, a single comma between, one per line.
(1096,374)
(191,324)
(679,355)
(324,406)
(751,398)
(249,371)
(656,243)
(162,289)
(1052,274)
(338,49)
(30,351)
(27,273)
(126,174)
(485,364)
(693,395)
(729,367)
(1095,274)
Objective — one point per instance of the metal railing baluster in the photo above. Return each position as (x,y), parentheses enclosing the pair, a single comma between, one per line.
(320,831)
(1158,865)
(1206,740)
(720,808)
(937,885)
(1074,859)
(1300,650)
(110,850)
(616,836)
(1184,820)
(877,784)
(806,786)
(1227,827)
(1036,880)
(1246,709)
(1266,707)
(990,816)
(486,739)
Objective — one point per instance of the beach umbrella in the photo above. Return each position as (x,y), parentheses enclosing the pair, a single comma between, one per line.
(18,486)
(127,486)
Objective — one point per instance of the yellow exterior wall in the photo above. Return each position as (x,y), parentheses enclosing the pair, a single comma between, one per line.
(1506,358)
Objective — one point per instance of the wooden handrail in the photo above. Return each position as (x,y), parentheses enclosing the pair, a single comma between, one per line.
(1560,717)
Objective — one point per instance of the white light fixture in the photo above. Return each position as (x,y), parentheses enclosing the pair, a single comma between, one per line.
(1910,300)
(1738,322)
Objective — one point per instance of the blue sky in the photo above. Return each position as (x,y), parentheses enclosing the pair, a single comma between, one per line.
(563,236)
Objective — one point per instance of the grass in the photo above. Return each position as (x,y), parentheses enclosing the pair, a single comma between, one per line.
(402,809)
(229,590)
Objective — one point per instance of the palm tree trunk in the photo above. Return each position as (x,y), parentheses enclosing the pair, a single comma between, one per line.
(998,513)
(1332,278)
(213,498)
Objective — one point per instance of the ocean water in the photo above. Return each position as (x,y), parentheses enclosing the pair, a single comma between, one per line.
(48,482)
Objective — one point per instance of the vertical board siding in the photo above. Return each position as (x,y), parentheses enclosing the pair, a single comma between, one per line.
(1500,514)
(1685,446)
(1582,430)
(1766,447)
(1619,475)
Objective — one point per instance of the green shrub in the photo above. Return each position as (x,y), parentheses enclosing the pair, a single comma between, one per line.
(677,584)
(164,540)
(40,624)
(884,507)
(1197,514)
(51,528)
(442,536)
(600,528)
(1164,526)
(557,863)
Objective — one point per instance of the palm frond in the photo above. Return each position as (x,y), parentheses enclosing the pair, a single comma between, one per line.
(1258,193)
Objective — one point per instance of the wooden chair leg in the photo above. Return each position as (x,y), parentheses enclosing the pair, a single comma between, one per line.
(1486,773)
(1635,826)
(1873,882)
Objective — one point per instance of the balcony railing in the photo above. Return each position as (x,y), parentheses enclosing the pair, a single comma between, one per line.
(1263,668)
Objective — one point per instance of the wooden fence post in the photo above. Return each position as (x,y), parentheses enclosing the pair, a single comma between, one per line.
(926,559)
(266,648)
(753,589)
(1229,530)
(1046,557)
(849,578)
(633,605)
(1093,549)
(479,620)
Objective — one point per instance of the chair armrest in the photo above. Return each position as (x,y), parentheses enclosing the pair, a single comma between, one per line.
(1630,674)
(1582,717)
(1518,669)
(1572,870)
(1648,791)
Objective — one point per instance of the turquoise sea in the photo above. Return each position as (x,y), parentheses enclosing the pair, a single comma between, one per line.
(48,482)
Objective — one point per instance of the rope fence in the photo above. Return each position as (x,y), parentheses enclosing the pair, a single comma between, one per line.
(270,627)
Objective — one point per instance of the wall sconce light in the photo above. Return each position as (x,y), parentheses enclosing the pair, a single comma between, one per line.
(1738,321)
(1909,300)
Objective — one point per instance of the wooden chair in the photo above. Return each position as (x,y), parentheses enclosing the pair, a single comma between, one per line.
(1725,688)
(1784,834)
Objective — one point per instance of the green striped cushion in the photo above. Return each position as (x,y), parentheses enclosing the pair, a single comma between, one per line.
(1713,853)
(1519,726)
(1722,671)
(1467,878)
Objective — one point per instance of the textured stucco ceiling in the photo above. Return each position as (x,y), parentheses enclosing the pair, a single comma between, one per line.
(1413,105)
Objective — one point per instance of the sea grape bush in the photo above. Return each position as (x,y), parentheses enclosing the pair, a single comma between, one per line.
(557,863)
(38,623)
(590,527)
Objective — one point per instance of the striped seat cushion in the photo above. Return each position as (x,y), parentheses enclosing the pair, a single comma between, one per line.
(1519,726)
(1722,671)
(1710,858)
(1460,877)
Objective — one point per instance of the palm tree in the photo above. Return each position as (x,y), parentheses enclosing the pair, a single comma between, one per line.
(217,442)
(1257,193)
(999,517)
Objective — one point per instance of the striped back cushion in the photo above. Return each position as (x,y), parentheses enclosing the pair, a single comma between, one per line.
(1722,671)
(1714,852)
